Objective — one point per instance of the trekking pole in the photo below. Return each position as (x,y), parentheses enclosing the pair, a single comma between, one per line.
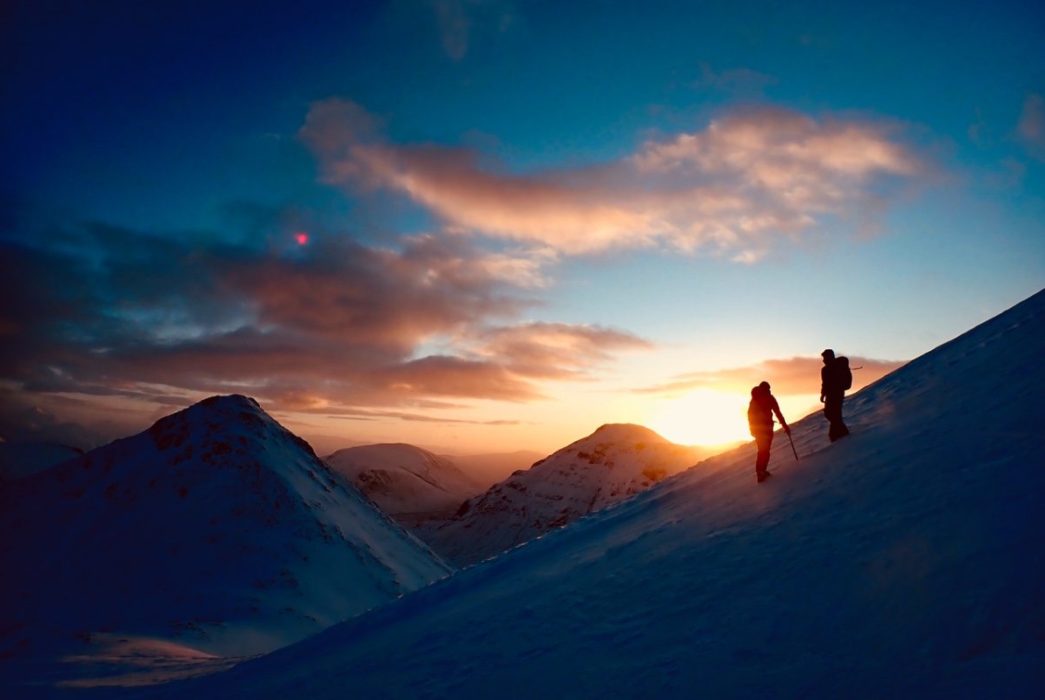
(793,450)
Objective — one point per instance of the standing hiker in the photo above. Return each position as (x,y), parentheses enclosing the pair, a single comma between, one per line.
(760,421)
(835,378)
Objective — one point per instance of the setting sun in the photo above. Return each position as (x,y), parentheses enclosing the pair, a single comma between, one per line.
(703,417)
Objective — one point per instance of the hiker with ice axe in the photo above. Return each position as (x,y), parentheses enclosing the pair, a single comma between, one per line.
(760,421)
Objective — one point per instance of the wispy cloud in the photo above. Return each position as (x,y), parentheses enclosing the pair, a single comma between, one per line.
(457,20)
(738,81)
(733,187)
(360,415)
(795,375)
(557,350)
(1031,127)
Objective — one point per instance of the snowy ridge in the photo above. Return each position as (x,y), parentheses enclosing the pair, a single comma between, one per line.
(216,529)
(613,463)
(904,561)
(402,478)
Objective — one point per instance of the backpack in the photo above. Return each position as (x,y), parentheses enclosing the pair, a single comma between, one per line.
(845,376)
(759,416)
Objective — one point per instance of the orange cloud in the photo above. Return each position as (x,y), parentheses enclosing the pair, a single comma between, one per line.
(746,179)
(795,375)
(557,350)
(453,376)
(332,328)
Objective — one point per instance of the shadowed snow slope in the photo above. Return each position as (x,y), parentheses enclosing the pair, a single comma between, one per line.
(908,558)
(21,459)
(613,463)
(216,528)
(402,478)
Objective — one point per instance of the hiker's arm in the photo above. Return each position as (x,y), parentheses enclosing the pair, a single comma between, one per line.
(780,417)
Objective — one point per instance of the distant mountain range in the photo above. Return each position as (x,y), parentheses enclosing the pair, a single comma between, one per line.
(611,464)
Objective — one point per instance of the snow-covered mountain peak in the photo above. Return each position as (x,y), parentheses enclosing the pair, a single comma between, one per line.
(623,432)
(405,481)
(400,453)
(216,528)
(219,418)
(218,406)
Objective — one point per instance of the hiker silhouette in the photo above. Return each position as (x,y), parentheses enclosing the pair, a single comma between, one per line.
(835,378)
(760,422)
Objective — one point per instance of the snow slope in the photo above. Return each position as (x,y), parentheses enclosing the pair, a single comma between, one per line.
(907,560)
(403,479)
(613,463)
(216,529)
(21,459)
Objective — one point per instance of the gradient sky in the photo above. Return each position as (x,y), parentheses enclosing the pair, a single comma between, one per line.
(486,226)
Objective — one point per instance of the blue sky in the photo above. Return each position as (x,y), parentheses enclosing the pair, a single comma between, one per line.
(515,209)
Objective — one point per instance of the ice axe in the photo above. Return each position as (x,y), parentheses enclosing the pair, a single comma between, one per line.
(793,450)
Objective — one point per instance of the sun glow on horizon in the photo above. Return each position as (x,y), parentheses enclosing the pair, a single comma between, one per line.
(702,417)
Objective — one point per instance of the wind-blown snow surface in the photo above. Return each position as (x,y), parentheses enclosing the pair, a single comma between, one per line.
(613,463)
(402,478)
(907,559)
(216,528)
